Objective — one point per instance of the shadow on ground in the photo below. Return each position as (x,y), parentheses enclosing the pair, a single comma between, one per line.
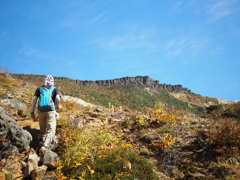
(35,133)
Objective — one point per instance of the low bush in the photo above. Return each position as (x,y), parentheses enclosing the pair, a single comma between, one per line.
(224,132)
(99,154)
(233,111)
(117,165)
(228,110)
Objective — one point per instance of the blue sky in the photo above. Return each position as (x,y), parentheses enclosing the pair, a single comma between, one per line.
(195,43)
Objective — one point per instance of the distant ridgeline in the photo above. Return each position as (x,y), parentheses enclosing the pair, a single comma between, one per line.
(140,80)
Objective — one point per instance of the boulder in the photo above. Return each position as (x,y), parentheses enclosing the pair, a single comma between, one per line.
(19,137)
(11,136)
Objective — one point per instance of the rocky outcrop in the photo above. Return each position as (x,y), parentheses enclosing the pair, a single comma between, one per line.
(36,166)
(140,80)
(12,137)
(77,100)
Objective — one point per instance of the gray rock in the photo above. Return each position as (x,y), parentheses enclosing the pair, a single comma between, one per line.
(4,128)
(7,149)
(14,103)
(19,137)
(14,137)
(50,159)
(6,117)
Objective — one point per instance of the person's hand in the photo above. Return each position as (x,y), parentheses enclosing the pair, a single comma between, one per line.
(59,107)
(33,116)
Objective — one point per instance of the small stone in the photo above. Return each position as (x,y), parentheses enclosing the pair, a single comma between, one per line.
(77,122)
(32,163)
(99,109)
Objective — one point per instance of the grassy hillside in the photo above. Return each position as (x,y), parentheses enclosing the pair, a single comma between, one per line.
(137,97)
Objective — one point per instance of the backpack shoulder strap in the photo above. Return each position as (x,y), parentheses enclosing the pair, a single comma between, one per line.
(41,89)
(52,88)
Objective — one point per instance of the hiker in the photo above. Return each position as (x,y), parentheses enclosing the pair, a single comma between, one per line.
(48,103)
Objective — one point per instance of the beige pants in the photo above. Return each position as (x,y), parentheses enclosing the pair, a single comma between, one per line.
(47,122)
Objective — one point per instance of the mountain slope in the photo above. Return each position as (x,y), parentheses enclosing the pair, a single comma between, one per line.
(133,94)
(118,143)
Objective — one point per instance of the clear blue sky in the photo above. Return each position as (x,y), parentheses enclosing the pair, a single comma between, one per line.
(195,43)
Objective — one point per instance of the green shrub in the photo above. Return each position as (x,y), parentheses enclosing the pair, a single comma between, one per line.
(8,176)
(232,110)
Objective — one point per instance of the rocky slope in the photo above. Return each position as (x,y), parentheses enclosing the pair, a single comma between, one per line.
(96,142)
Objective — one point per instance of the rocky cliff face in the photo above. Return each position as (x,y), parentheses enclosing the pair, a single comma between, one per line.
(140,80)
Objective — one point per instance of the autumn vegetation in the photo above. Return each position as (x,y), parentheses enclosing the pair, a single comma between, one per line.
(156,137)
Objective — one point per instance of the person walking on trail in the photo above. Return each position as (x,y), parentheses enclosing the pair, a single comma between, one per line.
(49,101)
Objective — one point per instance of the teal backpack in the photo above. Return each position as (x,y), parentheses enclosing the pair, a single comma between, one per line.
(45,102)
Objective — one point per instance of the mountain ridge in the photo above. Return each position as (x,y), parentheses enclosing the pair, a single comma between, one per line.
(139,80)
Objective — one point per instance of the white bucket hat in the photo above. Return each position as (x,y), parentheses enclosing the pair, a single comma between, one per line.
(49,80)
